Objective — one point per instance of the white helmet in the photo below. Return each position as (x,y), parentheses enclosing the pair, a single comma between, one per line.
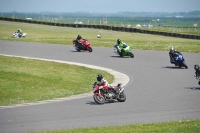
(171,49)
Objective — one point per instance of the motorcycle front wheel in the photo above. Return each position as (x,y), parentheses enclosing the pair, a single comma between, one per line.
(131,55)
(122,97)
(184,65)
(99,99)
(90,49)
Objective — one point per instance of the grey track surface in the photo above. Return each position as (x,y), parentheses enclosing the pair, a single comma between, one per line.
(157,91)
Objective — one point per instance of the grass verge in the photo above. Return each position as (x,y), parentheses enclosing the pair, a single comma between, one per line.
(64,35)
(186,126)
(27,80)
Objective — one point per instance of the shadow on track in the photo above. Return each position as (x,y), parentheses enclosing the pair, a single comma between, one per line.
(193,88)
(115,56)
(173,67)
(107,102)
(80,51)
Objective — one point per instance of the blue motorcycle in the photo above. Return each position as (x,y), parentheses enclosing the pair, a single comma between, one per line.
(179,60)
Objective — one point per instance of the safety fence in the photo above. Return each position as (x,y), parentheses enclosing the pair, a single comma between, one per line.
(105,27)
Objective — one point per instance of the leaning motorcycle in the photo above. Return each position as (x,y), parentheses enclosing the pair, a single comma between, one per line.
(125,51)
(198,78)
(85,45)
(180,61)
(104,93)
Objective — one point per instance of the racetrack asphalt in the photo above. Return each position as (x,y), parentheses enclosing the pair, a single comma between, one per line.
(157,91)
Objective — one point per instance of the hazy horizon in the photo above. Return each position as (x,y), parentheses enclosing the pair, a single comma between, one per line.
(92,6)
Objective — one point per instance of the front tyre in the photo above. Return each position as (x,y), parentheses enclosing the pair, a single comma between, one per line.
(99,99)
(77,48)
(122,97)
(90,49)
(121,55)
(131,55)
(184,65)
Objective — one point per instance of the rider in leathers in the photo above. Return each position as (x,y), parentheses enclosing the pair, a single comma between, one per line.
(172,54)
(120,46)
(19,31)
(102,81)
(78,40)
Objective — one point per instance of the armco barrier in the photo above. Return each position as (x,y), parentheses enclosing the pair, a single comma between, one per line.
(109,27)
(118,28)
(114,28)
(127,29)
(95,26)
(105,27)
(198,37)
(100,26)
(132,29)
(123,29)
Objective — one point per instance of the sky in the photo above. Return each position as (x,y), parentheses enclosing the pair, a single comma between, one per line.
(99,6)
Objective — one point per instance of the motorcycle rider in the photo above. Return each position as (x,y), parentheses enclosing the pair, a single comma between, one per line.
(172,54)
(120,46)
(19,31)
(102,81)
(79,37)
(197,72)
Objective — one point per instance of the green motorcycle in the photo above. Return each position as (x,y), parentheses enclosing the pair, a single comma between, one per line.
(125,51)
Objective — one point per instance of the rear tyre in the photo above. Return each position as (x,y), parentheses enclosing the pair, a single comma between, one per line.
(131,55)
(99,99)
(122,97)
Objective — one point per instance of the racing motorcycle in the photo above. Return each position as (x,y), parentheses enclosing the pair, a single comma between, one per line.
(198,78)
(16,35)
(180,61)
(104,93)
(85,45)
(125,51)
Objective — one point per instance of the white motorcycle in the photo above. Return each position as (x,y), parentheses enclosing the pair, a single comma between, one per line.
(16,35)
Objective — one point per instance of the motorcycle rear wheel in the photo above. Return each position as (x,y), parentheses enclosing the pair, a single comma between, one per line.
(99,99)
(122,97)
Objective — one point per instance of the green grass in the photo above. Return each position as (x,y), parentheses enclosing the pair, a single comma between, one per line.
(26,80)
(64,35)
(186,126)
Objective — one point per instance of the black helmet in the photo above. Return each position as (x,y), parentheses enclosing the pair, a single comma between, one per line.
(99,77)
(196,67)
(118,41)
(79,37)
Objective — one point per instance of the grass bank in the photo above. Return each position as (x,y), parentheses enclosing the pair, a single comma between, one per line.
(64,35)
(27,80)
(187,126)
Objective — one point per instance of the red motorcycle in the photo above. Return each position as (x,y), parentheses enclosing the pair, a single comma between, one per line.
(84,45)
(104,93)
